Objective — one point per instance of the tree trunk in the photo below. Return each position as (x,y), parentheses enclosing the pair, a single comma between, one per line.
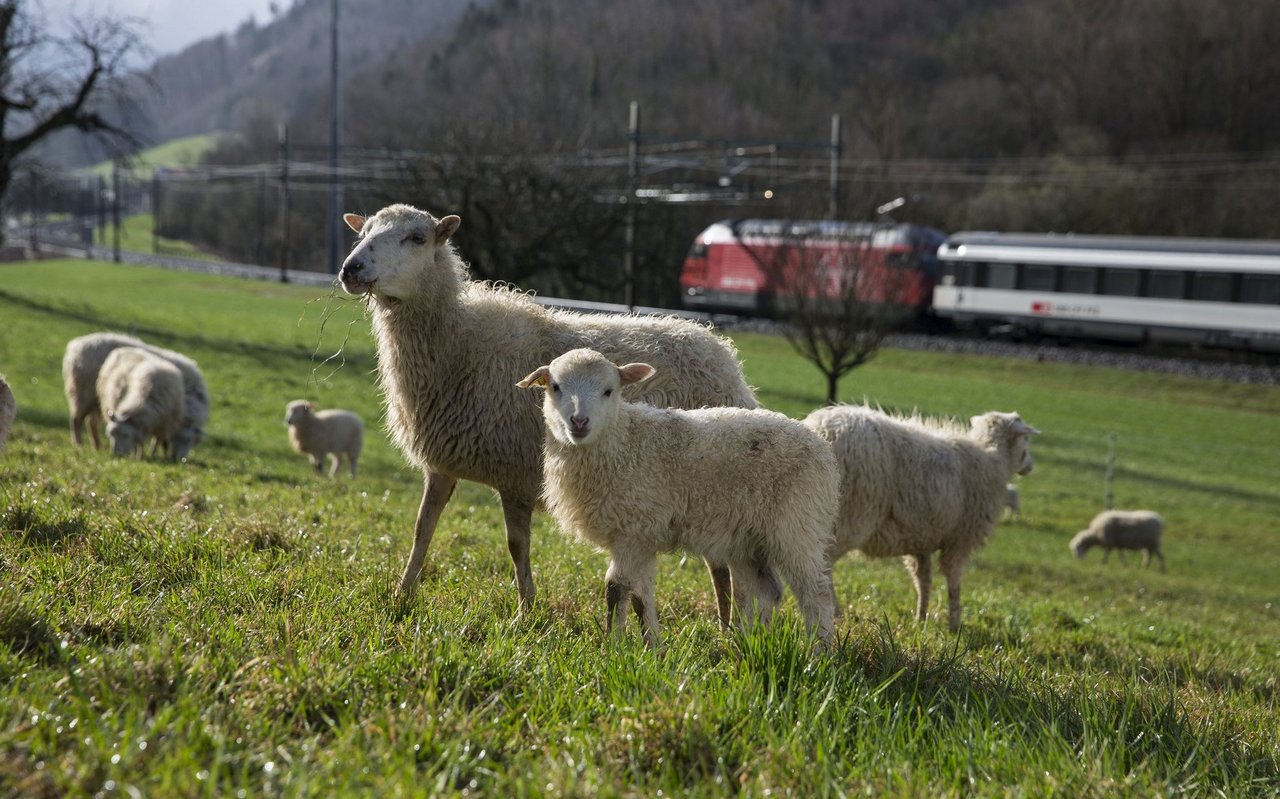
(833,385)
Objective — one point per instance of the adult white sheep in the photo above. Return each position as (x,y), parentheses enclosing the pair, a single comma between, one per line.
(333,432)
(8,410)
(1122,529)
(81,364)
(141,395)
(913,486)
(448,347)
(750,488)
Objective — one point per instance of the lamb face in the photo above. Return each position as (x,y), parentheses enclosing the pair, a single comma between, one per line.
(296,411)
(583,394)
(125,437)
(396,251)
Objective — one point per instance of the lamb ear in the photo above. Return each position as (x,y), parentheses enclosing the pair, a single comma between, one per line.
(354,221)
(1023,428)
(447,227)
(536,379)
(635,373)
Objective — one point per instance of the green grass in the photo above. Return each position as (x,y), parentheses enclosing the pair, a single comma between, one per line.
(136,235)
(229,623)
(185,151)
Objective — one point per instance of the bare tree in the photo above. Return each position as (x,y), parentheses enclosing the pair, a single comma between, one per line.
(51,82)
(839,289)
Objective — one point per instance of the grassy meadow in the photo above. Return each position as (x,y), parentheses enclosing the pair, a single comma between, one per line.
(228,626)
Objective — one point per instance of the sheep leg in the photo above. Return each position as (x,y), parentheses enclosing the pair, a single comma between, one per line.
(351,463)
(952,563)
(721,582)
(921,568)
(746,591)
(1159,555)
(632,575)
(317,463)
(808,578)
(518,514)
(333,467)
(95,429)
(436,491)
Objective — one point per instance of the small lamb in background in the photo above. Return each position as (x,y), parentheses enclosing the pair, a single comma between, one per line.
(1122,529)
(8,410)
(316,434)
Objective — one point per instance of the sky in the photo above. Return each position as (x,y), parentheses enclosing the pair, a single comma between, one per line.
(170,25)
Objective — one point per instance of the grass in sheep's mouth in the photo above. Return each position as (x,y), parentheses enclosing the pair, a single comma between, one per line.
(232,623)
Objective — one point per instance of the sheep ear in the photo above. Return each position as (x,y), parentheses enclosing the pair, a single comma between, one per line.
(1022,428)
(635,373)
(536,379)
(309,406)
(447,227)
(354,221)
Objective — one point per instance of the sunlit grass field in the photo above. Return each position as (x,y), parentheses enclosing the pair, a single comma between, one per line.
(228,624)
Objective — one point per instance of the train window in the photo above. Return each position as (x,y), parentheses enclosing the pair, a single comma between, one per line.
(1120,282)
(1037,278)
(1001,276)
(1082,280)
(1212,287)
(1166,284)
(1261,289)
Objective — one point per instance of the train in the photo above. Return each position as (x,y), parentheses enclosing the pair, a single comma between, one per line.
(1222,294)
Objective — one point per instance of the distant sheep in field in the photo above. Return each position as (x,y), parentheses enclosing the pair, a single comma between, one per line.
(8,410)
(81,364)
(141,395)
(1013,501)
(913,486)
(331,432)
(750,488)
(449,346)
(1122,529)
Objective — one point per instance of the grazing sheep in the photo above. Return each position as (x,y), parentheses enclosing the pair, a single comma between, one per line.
(1013,501)
(81,364)
(1122,529)
(8,410)
(447,347)
(141,395)
(750,488)
(319,433)
(912,486)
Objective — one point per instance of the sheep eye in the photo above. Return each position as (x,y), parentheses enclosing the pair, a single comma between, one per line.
(416,238)
(555,388)
(608,392)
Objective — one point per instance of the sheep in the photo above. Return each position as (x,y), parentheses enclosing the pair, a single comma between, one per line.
(750,488)
(1013,501)
(447,347)
(911,486)
(8,410)
(331,432)
(81,364)
(141,395)
(1122,529)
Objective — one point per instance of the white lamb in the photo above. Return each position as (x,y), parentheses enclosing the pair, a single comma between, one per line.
(141,395)
(330,432)
(750,488)
(8,410)
(81,364)
(448,346)
(913,486)
(1122,529)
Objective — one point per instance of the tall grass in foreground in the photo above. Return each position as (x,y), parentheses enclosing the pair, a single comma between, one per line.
(229,624)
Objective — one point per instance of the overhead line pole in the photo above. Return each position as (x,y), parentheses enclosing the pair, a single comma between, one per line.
(335,144)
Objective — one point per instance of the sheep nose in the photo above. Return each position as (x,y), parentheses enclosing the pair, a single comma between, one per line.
(351,268)
(578,422)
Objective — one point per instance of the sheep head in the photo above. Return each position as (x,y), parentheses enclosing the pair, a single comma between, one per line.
(1083,542)
(582,393)
(398,252)
(125,437)
(297,411)
(1007,433)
